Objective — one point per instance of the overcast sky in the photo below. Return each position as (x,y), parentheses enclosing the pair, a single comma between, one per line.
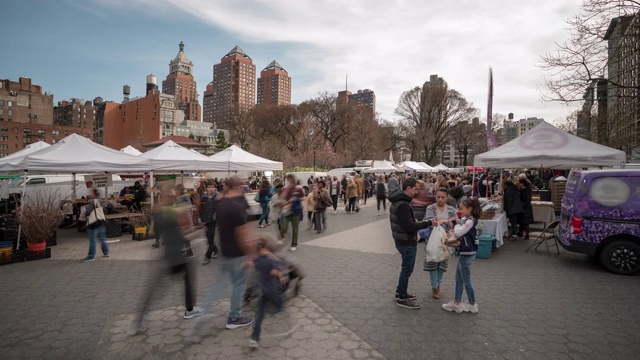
(91,48)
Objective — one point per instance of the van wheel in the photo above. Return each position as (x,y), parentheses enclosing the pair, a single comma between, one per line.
(621,257)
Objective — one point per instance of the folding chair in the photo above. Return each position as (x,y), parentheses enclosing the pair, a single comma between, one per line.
(547,235)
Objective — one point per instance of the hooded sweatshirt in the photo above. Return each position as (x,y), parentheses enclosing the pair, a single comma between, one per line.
(404,227)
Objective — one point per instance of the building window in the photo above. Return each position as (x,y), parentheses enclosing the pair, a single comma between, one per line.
(41,132)
(10,112)
(1,102)
(4,138)
(4,146)
(55,132)
(10,103)
(4,129)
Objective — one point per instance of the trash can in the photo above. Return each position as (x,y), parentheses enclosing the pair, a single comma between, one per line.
(485,243)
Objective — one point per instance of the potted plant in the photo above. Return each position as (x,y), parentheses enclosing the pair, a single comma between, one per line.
(39,217)
(139,221)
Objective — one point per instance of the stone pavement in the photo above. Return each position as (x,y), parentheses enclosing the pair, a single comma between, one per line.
(532,306)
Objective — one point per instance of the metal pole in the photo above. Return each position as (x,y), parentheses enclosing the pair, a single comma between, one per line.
(151,186)
(473,181)
(24,191)
(73,187)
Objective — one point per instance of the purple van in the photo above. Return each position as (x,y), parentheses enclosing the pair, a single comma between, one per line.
(601,217)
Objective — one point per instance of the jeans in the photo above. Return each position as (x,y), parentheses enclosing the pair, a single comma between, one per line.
(268,296)
(294,219)
(513,224)
(211,244)
(436,278)
(463,278)
(384,203)
(408,253)
(101,233)
(352,204)
(321,220)
(238,273)
(265,213)
(334,199)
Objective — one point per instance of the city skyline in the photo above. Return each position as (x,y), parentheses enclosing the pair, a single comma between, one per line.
(102,45)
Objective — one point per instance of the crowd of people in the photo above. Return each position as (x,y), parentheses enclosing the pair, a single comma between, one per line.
(419,203)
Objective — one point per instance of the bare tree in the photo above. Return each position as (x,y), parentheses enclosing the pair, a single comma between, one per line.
(331,117)
(584,58)
(242,126)
(467,136)
(569,123)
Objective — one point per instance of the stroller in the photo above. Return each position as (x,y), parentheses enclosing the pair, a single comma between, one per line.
(292,276)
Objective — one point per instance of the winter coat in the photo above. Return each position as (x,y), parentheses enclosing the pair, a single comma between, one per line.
(360,184)
(512,202)
(310,202)
(381,190)
(352,189)
(404,227)
(323,199)
(525,198)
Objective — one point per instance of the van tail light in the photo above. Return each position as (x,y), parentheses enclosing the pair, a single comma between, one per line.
(576,225)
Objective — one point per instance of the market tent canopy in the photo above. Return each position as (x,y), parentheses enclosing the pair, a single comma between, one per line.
(172,157)
(424,165)
(441,167)
(131,150)
(77,154)
(412,165)
(234,158)
(29,149)
(546,146)
(383,166)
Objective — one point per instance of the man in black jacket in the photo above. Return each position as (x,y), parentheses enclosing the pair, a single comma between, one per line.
(208,216)
(405,229)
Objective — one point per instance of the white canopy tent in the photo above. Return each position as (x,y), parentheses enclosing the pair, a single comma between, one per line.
(173,157)
(414,166)
(29,149)
(384,167)
(424,165)
(546,146)
(76,154)
(441,167)
(234,158)
(131,150)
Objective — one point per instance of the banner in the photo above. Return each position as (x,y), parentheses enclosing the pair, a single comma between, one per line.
(98,180)
(491,139)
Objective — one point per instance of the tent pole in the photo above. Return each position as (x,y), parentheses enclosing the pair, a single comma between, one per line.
(106,187)
(151,186)
(182,177)
(73,187)
(24,191)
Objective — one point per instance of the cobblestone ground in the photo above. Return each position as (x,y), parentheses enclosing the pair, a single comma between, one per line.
(532,306)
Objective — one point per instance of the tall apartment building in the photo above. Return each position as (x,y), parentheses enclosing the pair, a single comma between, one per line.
(181,84)
(622,124)
(75,112)
(27,116)
(435,82)
(527,124)
(234,86)
(24,101)
(274,85)
(207,104)
(365,97)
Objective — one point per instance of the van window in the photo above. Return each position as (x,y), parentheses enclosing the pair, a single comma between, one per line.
(36,181)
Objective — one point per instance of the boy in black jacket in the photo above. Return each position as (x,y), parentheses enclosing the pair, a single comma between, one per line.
(404,229)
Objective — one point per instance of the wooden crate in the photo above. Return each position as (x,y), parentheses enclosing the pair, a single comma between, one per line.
(557,191)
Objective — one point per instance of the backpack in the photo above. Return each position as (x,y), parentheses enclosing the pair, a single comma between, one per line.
(381,190)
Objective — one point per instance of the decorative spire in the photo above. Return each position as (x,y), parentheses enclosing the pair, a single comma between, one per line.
(181,46)
(237,51)
(274,65)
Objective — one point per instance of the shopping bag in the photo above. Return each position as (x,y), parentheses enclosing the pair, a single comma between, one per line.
(96,218)
(436,250)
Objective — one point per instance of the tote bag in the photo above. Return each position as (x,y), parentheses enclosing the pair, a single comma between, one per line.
(436,250)
(96,218)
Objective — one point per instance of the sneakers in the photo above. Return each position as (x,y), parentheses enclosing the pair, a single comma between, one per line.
(407,303)
(193,313)
(253,343)
(105,255)
(451,306)
(466,307)
(136,329)
(215,254)
(409,296)
(293,248)
(238,323)
(155,245)
(88,259)
(206,261)
(280,242)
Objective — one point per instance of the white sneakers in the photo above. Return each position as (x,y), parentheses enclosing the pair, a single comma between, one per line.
(293,248)
(462,307)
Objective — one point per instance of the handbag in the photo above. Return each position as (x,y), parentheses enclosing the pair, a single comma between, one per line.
(96,218)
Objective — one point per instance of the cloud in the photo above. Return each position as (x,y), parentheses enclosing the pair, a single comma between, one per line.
(392,46)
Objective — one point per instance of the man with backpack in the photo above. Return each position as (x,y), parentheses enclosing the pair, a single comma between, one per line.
(208,216)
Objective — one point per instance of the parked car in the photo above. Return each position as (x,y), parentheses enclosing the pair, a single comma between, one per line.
(600,216)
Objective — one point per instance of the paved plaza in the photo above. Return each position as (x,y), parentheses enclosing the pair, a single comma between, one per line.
(532,306)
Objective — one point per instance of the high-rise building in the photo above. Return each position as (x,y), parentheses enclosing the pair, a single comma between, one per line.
(435,82)
(207,104)
(365,97)
(23,101)
(527,124)
(234,86)
(74,112)
(274,85)
(181,84)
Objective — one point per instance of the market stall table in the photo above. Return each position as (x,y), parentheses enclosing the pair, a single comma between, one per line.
(543,212)
(497,227)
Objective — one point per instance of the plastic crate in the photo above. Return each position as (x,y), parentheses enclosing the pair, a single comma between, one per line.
(6,255)
(38,255)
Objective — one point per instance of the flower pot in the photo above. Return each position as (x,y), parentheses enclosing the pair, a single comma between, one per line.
(40,246)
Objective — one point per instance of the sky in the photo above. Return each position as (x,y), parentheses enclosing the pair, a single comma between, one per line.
(89,48)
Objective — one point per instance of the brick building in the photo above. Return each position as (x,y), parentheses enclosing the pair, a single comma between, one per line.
(274,85)
(234,86)
(207,104)
(23,101)
(74,112)
(181,84)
